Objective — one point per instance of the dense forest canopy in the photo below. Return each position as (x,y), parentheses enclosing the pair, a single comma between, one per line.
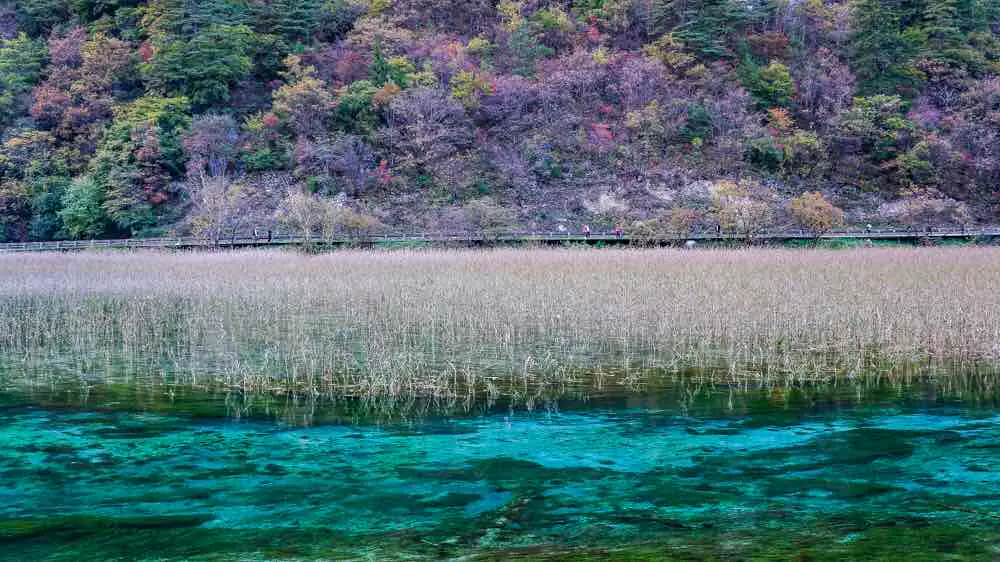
(132,118)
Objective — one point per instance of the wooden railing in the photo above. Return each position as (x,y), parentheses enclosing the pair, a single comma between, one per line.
(493,237)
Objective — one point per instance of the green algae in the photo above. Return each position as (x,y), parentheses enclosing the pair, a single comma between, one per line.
(81,525)
(905,473)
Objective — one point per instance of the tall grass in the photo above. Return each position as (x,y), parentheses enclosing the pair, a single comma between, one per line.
(440,323)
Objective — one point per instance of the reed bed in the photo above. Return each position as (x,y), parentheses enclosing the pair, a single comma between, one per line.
(497,322)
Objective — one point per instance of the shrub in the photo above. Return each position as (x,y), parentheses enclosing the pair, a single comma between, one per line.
(814,213)
(742,209)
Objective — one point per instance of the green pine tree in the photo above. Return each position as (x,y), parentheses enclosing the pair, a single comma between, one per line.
(942,25)
(884,50)
(21,63)
(204,66)
(379,71)
(705,26)
(294,20)
(38,17)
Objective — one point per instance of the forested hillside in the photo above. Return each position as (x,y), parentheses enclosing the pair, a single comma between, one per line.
(126,118)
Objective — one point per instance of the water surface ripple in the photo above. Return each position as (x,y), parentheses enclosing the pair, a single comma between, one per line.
(913,476)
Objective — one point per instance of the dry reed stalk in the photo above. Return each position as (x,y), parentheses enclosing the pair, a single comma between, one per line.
(443,323)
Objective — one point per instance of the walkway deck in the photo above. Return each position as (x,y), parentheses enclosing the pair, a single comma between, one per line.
(474,239)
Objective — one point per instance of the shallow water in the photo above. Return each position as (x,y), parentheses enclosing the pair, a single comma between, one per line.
(849,472)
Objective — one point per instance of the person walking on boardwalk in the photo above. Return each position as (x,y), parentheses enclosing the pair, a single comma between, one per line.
(586,231)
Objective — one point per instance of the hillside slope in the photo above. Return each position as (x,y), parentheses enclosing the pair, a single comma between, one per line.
(128,118)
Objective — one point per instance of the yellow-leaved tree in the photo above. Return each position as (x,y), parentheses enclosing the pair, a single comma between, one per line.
(814,213)
(742,208)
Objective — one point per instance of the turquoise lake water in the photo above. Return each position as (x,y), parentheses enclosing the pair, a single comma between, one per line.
(830,473)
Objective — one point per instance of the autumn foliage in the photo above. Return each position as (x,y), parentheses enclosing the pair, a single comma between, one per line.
(116,116)
(814,213)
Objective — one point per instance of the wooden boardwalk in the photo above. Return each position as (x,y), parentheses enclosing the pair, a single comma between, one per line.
(479,239)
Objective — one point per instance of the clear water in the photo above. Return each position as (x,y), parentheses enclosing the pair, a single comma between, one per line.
(843,473)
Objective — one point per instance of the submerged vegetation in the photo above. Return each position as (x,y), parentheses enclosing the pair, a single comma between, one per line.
(855,471)
(496,323)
